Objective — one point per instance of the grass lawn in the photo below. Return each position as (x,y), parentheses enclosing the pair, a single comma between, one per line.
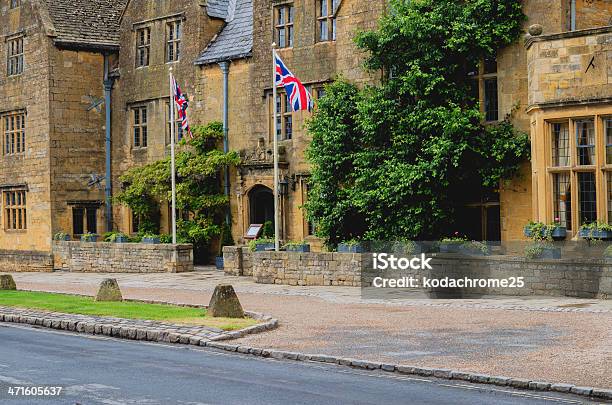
(72,304)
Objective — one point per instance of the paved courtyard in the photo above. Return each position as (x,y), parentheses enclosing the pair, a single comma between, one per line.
(555,339)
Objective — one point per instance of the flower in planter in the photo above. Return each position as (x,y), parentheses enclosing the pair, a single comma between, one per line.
(61,236)
(89,237)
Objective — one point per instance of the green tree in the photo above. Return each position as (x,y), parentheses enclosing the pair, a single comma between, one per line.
(199,164)
(391,161)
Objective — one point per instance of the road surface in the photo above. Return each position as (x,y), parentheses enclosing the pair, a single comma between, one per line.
(97,370)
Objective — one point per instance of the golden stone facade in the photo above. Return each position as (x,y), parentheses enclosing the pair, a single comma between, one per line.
(555,84)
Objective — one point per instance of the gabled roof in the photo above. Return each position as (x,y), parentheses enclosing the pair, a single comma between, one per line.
(86,24)
(235,41)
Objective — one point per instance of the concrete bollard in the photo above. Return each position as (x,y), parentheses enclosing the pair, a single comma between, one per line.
(225,303)
(109,291)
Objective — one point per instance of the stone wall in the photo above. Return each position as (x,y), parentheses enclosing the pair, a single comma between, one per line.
(22,260)
(295,268)
(122,257)
(576,277)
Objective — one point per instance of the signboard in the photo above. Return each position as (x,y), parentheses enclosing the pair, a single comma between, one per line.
(253,231)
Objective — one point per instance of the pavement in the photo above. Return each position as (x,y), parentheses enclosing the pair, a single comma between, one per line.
(553,339)
(97,370)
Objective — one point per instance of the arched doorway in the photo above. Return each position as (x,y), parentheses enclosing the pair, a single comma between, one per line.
(261,205)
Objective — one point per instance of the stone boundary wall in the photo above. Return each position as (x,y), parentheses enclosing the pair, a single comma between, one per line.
(22,260)
(295,268)
(576,277)
(102,257)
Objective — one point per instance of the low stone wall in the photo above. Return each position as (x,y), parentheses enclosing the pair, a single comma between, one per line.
(575,277)
(295,268)
(21,260)
(100,257)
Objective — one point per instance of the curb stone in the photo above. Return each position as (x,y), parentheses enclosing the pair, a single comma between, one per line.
(50,320)
(442,373)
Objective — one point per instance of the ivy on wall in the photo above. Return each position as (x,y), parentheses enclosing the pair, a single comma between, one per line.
(391,161)
(199,197)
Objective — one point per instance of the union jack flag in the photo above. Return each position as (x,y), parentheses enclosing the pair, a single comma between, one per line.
(299,98)
(181,107)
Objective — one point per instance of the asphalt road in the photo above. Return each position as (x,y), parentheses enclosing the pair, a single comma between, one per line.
(96,370)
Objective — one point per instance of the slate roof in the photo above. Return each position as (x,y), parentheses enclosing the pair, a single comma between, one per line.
(91,24)
(235,41)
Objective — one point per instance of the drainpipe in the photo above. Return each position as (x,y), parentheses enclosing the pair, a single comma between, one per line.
(108,86)
(225,69)
(573,15)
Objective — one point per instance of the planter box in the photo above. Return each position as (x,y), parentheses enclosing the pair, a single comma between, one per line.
(470,251)
(153,241)
(446,247)
(65,238)
(550,253)
(121,239)
(305,248)
(92,238)
(358,248)
(558,233)
(219,262)
(595,234)
(262,247)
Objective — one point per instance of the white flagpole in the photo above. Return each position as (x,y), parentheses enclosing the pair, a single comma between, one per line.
(274,134)
(172,165)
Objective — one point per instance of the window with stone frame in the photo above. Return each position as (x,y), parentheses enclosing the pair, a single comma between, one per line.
(608,139)
(284,116)
(174,34)
(484,87)
(13,133)
(587,198)
(326,20)
(283,25)
(14,56)
(84,220)
(143,46)
(15,211)
(560,144)
(562,199)
(178,129)
(139,126)
(15,3)
(585,142)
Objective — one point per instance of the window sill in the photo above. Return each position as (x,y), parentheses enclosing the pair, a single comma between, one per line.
(172,62)
(15,230)
(325,42)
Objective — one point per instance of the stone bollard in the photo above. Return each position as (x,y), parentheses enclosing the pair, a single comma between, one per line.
(225,303)
(7,282)
(109,291)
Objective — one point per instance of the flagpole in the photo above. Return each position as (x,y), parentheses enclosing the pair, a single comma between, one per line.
(172,163)
(275,136)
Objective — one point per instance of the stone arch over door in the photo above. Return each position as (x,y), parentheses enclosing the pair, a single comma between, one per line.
(261,205)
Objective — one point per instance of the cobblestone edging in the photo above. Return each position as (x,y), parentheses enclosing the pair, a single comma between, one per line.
(135,329)
(443,373)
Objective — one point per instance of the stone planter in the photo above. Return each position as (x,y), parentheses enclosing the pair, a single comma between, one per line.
(595,234)
(262,247)
(89,238)
(219,263)
(121,239)
(303,248)
(152,241)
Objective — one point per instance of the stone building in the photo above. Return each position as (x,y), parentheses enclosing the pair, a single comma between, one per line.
(52,117)
(555,84)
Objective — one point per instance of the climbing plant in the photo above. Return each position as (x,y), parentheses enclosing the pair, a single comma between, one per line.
(199,197)
(392,160)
